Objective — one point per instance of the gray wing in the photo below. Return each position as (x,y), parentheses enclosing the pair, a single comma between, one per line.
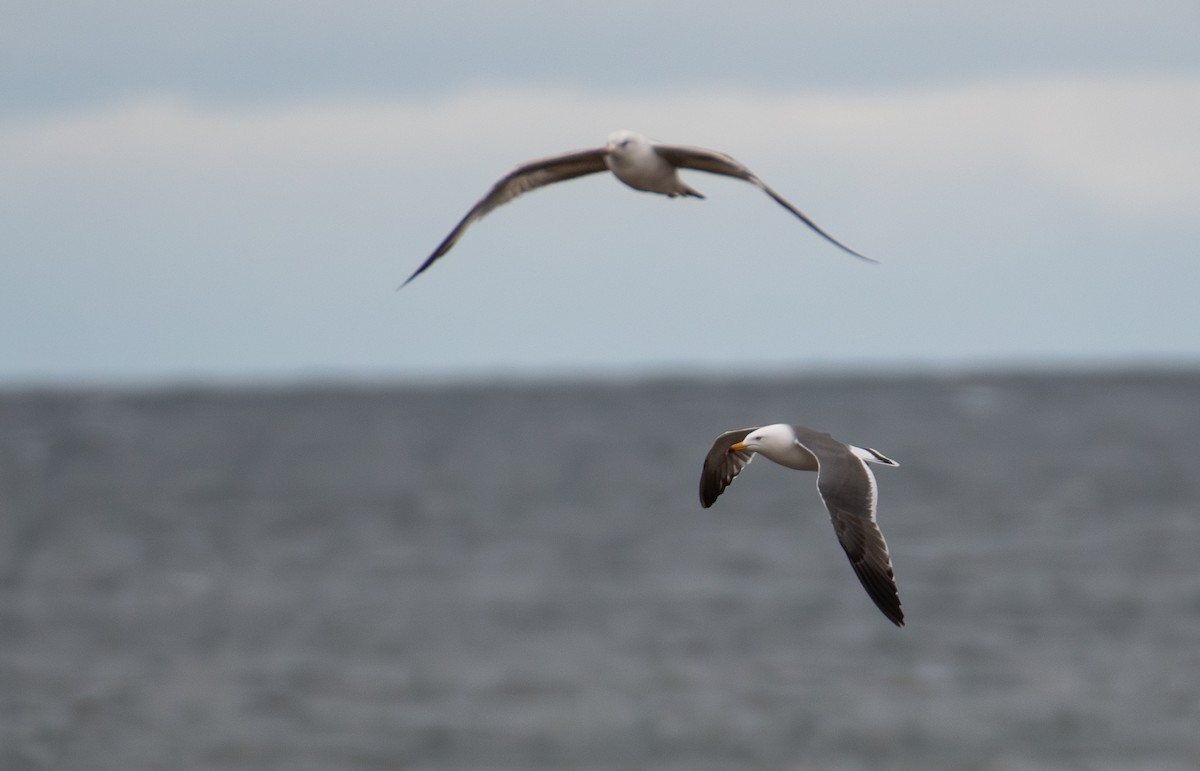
(847,487)
(721,465)
(713,162)
(526,177)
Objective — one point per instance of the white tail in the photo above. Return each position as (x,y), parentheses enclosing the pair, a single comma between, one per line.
(872,456)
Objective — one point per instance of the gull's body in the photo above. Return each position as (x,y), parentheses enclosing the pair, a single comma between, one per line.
(635,161)
(845,484)
(632,158)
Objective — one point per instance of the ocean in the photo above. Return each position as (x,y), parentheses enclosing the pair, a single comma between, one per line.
(520,576)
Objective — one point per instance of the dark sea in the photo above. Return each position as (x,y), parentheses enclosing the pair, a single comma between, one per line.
(520,576)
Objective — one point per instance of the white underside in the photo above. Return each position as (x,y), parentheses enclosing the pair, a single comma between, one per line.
(642,169)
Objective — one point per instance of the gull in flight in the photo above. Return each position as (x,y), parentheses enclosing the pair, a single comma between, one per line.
(641,163)
(845,484)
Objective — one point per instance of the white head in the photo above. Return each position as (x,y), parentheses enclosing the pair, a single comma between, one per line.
(777,438)
(622,140)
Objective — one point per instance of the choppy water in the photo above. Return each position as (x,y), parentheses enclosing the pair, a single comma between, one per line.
(521,577)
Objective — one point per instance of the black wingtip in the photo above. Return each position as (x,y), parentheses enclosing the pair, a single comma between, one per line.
(889,606)
(418,271)
(834,241)
(893,612)
(847,249)
(881,588)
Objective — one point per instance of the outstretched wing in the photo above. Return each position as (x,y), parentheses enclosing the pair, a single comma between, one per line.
(526,177)
(847,487)
(713,162)
(721,465)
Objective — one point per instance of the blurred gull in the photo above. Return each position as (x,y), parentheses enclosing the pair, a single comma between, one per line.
(641,163)
(845,484)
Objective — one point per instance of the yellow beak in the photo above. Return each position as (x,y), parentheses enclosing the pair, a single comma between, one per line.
(737,447)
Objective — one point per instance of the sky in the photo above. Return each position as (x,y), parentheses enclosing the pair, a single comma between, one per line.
(234,191)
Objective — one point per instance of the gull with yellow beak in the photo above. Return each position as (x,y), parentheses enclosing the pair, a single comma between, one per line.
(635,160)
(845,484)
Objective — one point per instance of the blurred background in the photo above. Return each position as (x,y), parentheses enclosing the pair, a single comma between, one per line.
(261,510)
(235,191)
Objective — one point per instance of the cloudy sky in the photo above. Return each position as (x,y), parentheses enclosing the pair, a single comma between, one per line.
(233,190)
